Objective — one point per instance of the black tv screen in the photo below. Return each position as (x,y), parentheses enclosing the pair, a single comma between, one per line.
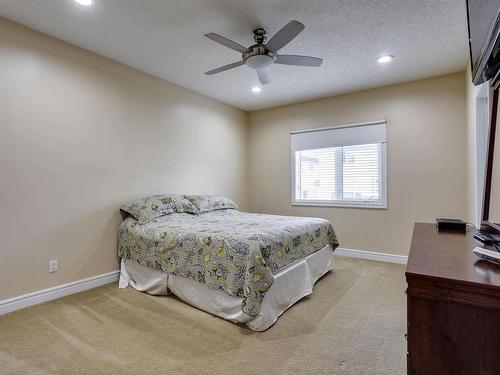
(484,28)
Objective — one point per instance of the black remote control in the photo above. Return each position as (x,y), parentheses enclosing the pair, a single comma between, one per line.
(484,238)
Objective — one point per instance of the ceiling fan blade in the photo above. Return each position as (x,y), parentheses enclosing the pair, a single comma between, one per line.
(299,60)
(226,42)
(225,67)
(264,76)
(284,36)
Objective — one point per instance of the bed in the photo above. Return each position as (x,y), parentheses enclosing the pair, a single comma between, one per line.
(244,267)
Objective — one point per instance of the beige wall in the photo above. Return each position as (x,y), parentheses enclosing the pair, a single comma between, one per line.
(427,158)
(477,139)
(471,92)
(80,135)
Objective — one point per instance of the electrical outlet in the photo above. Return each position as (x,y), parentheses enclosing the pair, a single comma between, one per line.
(53,265)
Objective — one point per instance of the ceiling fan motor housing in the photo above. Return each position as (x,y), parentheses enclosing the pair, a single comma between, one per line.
(258,57)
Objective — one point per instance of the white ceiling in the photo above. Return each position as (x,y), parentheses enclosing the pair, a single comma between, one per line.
(165,39)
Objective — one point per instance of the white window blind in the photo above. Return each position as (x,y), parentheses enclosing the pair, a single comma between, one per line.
(343,166)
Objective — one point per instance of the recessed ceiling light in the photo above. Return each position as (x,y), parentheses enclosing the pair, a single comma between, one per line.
(256,89)
(84,2)
(385,59)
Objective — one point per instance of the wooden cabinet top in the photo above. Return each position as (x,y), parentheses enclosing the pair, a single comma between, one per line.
(447,256)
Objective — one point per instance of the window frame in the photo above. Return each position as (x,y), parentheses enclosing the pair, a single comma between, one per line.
(380,204)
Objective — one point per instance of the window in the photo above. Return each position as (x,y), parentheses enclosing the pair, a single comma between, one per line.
(340,166)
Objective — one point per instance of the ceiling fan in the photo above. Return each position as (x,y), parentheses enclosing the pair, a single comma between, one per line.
(261,56)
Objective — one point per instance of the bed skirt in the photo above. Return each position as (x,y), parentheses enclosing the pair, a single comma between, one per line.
(290,285)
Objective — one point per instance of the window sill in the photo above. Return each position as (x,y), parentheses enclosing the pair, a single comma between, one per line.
(341,204)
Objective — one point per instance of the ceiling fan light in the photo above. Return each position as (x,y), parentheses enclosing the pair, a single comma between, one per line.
(256,89)
(259,62)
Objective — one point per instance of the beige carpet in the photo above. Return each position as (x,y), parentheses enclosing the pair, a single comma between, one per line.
(353,324)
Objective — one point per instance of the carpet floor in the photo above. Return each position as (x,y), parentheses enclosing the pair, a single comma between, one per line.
(354,323)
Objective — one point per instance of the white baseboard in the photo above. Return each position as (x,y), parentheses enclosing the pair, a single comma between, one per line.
(371,255)
(16,303)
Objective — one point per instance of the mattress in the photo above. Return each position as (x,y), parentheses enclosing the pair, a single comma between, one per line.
(235,252)
(291,284)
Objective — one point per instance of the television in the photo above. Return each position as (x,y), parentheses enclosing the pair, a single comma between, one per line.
(484,42)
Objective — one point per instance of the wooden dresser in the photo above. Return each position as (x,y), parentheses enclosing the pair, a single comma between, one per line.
(453,305)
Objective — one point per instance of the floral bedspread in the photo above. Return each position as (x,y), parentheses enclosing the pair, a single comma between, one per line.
(234,251)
